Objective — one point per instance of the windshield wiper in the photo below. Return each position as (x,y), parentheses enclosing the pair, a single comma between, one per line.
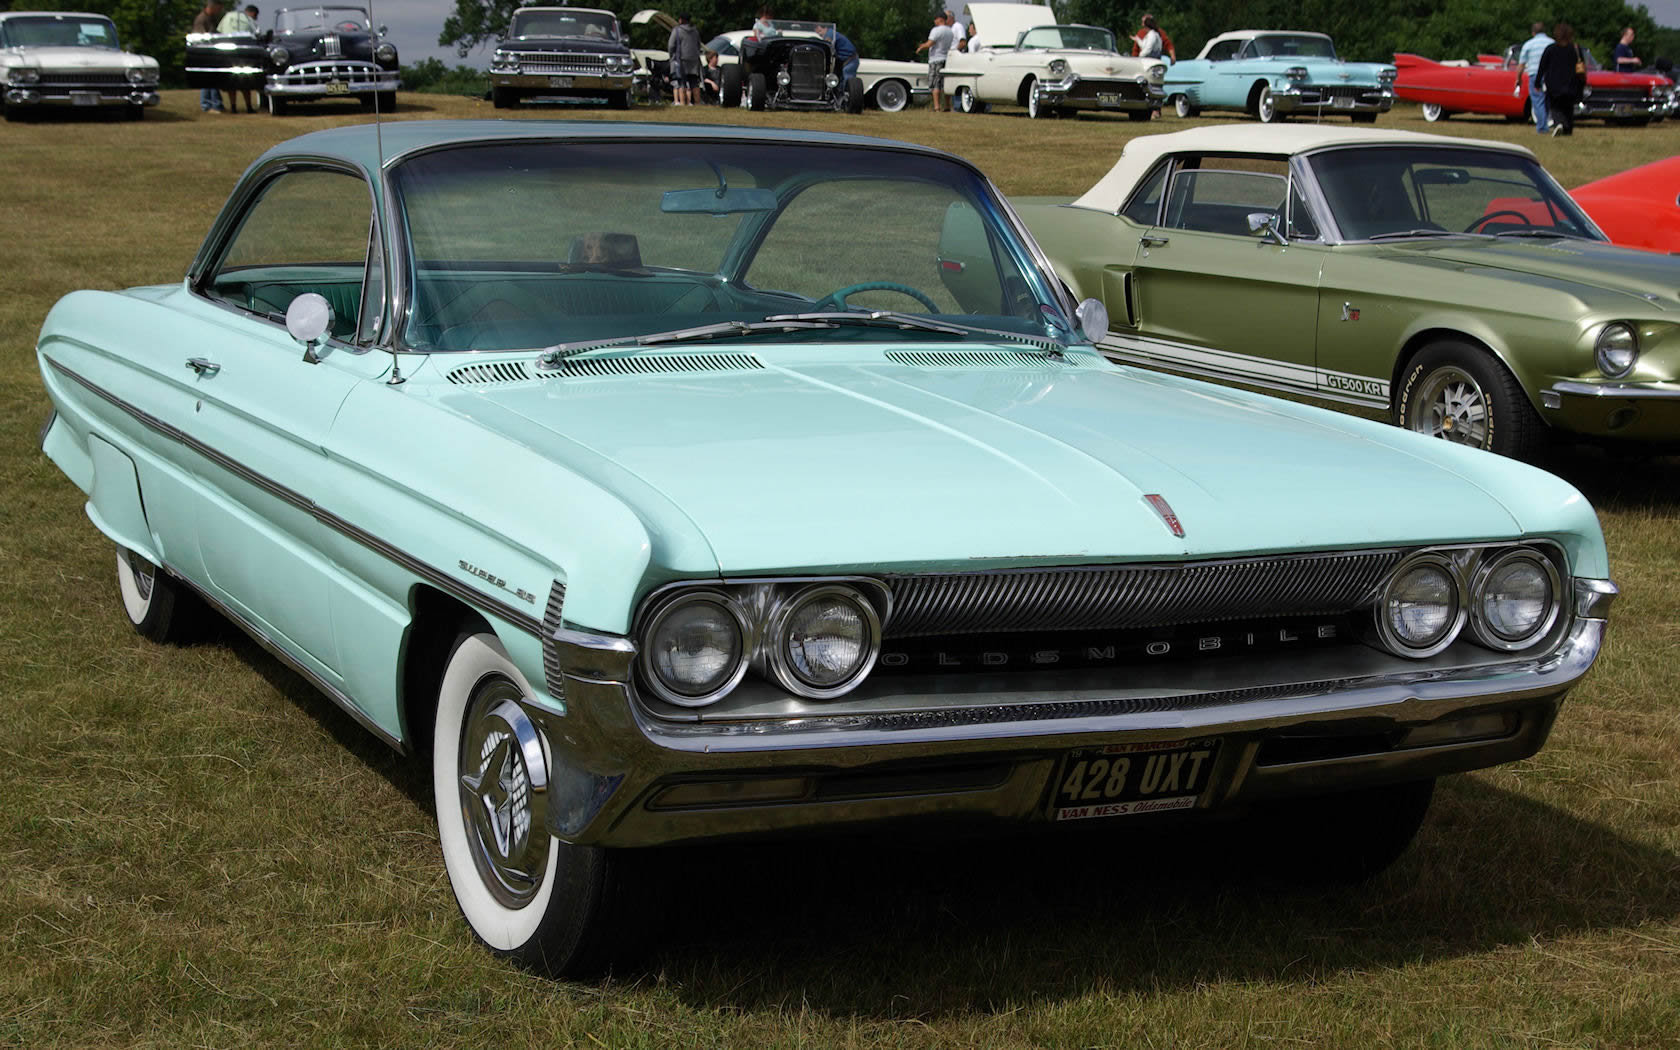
(1392,234)
(911,322)
(1534,232)
(553,355)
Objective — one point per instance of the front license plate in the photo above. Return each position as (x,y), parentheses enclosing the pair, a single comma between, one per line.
(1622,109)
(1341,102)
(559,81)
(1108,98)
(84,98)
(1122,780)
(337,87)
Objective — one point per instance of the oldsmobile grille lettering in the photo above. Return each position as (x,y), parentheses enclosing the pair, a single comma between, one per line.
(950,657)
(494,580)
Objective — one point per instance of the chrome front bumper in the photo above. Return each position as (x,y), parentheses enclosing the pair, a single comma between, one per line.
(303,82)
(142,95)
(1083,93)
(1650,108)
(1621,410)
(1306,96)
(543,83)
(624,777)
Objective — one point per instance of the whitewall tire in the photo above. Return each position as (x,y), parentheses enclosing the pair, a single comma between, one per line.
(159,606)
(1433,112)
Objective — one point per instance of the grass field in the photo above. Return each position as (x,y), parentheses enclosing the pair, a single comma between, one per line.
(197,850)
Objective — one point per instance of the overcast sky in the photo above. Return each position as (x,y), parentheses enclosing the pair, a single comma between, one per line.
(415,25)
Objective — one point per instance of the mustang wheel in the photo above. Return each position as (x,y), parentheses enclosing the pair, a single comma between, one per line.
(1458,392)
(526,894)
(1182,107)
(1432,112)
(160,607)
(1341,838)
(1265,107)
(891,96)
(964,101)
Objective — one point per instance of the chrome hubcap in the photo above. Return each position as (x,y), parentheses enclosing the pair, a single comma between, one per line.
(504,793)
(1451,405)
(142,570)
(1033,102)
(1266,105)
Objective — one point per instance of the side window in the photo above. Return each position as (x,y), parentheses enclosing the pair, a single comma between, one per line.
(1220,193)
(307,231)
(1223,51)
(1301,225)
(1145,206)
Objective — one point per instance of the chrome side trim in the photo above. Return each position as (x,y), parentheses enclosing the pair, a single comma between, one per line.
(517,617)
(1593,598)
(1637,391)
(331,691)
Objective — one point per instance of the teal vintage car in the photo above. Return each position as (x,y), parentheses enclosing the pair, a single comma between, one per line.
(1272,74)
(660,484)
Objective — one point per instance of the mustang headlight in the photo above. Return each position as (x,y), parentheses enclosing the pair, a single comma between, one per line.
(24,75)
(1616,349)
(1058,67)
(823,640)
(279,56)
(385,54)
(1516,600)
(695,648)
(1296,73)
(1420,612)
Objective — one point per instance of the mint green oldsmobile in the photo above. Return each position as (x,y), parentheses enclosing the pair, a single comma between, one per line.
(1449,281)
(658,485)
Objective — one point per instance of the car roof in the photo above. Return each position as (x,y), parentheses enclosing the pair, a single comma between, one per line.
(4,15)
(1274,140)
(1244,34)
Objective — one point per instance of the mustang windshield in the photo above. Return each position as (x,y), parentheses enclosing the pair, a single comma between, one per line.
(1425,191)
(530,245)
(58,31)
(1290,45)
(1073,38)
(597,24)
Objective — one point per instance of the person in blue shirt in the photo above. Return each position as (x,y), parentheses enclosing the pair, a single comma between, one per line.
(1529,59)
(845,52)
(1626,60)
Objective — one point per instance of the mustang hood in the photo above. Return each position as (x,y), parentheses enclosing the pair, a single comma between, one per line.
(866,465)
(1562,262)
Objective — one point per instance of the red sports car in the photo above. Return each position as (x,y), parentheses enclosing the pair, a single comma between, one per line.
(1638,208)
(1499,85)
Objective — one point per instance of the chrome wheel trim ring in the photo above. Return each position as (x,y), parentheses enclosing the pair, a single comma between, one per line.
(964,101)
(890,96)
(1431,111)
(1035,105)
(136,583)
(1181,106)
(1266,107)
(1450,404)
(503,791)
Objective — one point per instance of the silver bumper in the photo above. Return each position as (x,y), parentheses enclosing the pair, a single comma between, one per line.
(542,83)
(142,95)
(1306,97)
(304,84)
(624,777)
(1083,93)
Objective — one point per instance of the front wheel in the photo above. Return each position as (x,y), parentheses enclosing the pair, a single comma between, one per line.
(276,105)
(159,606)
(1038,107)
(1182,107)
(854,96)
(618,100)
(1265,106)
(1433,112)
(529,896)
(1461,393)
(758,92)
(891,96)
(503,98)
(729,87)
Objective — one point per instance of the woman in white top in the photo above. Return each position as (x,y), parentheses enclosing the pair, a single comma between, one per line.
(1149,39)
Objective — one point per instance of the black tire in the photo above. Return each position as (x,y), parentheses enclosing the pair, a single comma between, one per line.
(276,106)
(890,96)
(1037,107)
(1263,106)
(758,92)
(1460,392)
(963,101)
(854,96)
(729,87)
(504,98)
(387,101)
(1338,839)
(618,100)
(134,113)
(565,910)
(1183,109)
(1138,116)
(159,606)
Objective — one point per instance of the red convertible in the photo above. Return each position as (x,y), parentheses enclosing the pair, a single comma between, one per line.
(1639,208)
(1499,85)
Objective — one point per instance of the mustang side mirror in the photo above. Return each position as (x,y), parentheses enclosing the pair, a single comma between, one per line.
(307,319)
(1265,223)
(1092,316)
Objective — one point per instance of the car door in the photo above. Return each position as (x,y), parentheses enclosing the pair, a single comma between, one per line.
(1228,77)
(1218,298)
(266,404)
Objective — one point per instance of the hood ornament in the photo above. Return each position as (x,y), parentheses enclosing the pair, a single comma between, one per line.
(1160,506)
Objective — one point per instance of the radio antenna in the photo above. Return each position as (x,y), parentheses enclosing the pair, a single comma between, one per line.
(379,173)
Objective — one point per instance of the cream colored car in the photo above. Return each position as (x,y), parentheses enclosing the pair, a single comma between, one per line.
(1019,55)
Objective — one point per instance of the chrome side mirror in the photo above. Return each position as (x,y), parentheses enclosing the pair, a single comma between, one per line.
(1092,316)
(308,318)
(1265,223)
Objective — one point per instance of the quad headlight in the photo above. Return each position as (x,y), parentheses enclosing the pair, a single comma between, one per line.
(1421,611)
(23,75)
(694,649)
(1616,349)
(1510,597)
(1516,600)
(822,641)
(142,75)
(279,56)
(1296,73)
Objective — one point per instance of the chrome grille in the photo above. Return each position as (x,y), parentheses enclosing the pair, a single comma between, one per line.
(76,78)
(550,62)
(551,655)
(318,73)
(1617,94)
(1134,596)
(967,358)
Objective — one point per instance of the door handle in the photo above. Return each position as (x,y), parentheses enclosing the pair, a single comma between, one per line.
(203,366)
(1153,242)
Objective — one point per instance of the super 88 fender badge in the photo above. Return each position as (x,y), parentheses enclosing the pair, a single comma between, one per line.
(1160,506)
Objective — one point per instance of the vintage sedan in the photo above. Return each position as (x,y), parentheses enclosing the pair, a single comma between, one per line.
(51,60)
(1637,208)
(1272,74)
(1024,58)
(1450,281)
(583,477)
(320,53)
(1498,85)
(562,52)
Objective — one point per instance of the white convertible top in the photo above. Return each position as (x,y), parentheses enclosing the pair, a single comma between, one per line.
(1271,140)
(1244,34)
(1002,23)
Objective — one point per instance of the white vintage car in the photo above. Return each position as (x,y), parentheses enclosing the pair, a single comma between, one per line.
(1018,54)
(63,58)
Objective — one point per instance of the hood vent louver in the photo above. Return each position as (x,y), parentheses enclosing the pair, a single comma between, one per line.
(643,364)
(968,358)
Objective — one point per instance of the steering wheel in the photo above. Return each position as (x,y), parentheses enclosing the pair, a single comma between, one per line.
(1490,216)
(838,297)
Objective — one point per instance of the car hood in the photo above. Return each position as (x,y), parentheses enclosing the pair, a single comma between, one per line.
(871,465)
(79,58)
(1569,265)
(1089,62)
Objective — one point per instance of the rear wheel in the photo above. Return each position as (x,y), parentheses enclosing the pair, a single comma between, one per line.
(891,96)
(964,101)
(1182,107)
(159,606)
(758,92)
(504,98)
(729,86)
(1433,112)
(1461,393)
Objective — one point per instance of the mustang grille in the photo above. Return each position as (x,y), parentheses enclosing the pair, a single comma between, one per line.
(966,358)
(1115,597)
(549,62)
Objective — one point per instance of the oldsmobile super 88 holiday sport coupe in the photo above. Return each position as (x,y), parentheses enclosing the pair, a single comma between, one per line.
(554,453)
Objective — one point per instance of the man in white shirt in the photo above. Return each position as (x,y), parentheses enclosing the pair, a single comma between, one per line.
(959,32)
(938,47)
(1529,59)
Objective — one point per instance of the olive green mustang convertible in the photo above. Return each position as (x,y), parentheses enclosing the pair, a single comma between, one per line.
(1447,280)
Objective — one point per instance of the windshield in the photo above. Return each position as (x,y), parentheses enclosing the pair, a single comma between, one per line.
(58,31)
(526,245)
(1419,191)
(1078,38)
(722,45)
(339,19)
(598,24)
(1290,45)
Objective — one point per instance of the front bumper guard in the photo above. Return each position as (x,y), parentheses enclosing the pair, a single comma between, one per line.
(359,83)
(140,95)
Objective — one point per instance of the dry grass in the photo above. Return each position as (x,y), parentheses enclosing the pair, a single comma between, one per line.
(195,850)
